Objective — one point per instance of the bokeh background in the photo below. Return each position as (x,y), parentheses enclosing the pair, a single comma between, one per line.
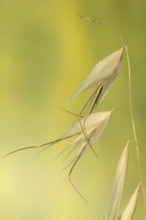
(45,53)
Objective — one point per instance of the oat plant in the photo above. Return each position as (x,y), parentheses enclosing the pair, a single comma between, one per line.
(97,100)
(90,126)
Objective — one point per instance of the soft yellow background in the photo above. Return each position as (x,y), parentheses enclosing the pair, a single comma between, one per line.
(45,53)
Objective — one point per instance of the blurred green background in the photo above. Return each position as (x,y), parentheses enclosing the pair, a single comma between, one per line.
(45,53)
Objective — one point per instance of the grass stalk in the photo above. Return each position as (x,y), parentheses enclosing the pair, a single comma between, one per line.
(133,127)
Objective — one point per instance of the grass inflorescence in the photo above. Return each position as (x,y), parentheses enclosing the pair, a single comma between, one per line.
(91,124)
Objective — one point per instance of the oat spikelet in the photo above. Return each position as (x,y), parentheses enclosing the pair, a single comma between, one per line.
(130,208)
(85,133)
(118,186)
(93,126)
(102,77)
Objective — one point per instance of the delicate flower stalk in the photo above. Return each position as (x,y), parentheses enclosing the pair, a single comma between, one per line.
(134,128)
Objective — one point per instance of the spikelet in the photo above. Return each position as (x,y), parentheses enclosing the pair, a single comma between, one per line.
(85,132)
(131,205)
(119,183)
(102,77)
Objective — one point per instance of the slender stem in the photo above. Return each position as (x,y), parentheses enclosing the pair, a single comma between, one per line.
(133,126)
